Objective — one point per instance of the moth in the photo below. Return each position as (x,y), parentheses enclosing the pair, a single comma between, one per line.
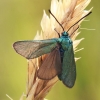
(60,60)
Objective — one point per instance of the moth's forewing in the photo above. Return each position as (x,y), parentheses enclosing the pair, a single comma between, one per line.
(68,75)
(35,48)
(51,66)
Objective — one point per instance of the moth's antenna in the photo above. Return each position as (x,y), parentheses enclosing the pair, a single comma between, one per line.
(56,19)
(79,20)
(74,31)
(57,32)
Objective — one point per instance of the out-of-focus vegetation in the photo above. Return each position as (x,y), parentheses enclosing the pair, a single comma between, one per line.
(19,20)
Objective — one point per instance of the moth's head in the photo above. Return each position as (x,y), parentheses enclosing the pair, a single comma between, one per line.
(64,33)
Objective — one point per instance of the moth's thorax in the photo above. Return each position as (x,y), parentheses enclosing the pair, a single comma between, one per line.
(65,41)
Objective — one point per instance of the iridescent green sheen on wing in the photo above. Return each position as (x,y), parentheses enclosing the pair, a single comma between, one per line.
(32,49)
(68,75)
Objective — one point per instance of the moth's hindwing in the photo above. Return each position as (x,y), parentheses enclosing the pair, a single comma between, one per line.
(51,66)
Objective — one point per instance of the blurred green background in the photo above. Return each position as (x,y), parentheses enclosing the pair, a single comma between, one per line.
(20,20)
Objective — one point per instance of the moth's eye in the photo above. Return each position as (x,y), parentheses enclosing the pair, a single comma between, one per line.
(65,33)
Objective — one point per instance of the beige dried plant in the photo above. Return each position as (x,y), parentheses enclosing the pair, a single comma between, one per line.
(67,12)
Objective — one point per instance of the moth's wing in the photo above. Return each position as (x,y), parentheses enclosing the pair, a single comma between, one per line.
(35,48)
(68,75)
(51,65)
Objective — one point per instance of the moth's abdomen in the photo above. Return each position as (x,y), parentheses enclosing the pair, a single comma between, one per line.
(61,53)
